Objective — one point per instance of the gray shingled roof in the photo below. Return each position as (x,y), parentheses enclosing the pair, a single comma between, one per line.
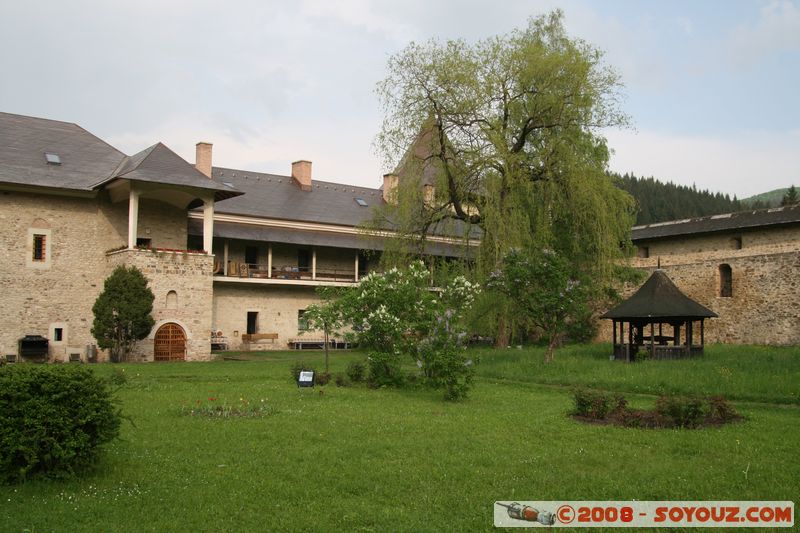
(87,162)
(159,164)
(315,238)
(718,223)
(275,196)
(659,298)
(85,159)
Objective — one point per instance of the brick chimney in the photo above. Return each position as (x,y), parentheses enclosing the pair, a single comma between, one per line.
(390,182)
(202,158)
(301,172)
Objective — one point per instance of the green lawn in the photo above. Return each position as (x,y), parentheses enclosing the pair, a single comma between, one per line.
(387,460)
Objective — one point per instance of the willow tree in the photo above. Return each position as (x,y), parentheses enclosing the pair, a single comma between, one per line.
(505,135)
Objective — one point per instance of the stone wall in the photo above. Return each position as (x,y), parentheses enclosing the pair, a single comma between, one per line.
(188,275)
(40,297)
(764,307)
(277,309)
(37,300)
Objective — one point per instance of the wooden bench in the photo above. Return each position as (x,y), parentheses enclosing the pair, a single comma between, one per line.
(299,343)
(255,337)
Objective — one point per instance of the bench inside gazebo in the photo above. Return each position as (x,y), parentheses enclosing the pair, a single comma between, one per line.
(658,321)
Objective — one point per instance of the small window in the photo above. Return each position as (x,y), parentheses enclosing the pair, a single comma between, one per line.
(58,334)
(361,202)
(52,159)
(725,281)
(643,252)
(302,321)
(39,247)
(142,242)
(736,243)
(252,322)
(172,300)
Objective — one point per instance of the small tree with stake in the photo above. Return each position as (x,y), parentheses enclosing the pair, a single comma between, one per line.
(122,312)
(326,316)
(542,286)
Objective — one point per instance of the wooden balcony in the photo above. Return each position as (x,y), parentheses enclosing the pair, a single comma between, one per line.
(285,275)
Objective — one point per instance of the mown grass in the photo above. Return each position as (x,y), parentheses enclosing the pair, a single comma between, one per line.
(354,459)
(746,373)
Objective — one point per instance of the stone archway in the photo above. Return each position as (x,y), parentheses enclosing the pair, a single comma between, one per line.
(170,343)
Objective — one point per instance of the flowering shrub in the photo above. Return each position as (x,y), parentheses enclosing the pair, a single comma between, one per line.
(544,287)
(397,313)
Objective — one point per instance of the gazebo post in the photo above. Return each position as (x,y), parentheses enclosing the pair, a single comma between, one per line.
(630,341)
(614,338)
(702,333)
(652,340)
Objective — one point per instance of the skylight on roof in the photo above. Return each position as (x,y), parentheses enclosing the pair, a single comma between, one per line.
(361,202)
(228,183)
(52,159)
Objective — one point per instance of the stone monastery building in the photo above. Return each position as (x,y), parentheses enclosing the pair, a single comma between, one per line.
(233,257)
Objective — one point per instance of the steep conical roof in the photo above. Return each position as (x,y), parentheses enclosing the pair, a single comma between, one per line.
(659,298)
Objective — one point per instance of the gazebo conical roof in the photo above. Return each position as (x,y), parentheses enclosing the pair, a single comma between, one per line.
(659,298)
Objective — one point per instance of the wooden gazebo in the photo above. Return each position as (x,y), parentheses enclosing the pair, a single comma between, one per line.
(671,316)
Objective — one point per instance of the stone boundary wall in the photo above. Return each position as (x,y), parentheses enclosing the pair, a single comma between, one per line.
(765,304)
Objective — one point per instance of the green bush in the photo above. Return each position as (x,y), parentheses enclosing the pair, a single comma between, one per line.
(385,370)
(323,378)
(682,412)
(342,380)
(356,371)
(594,404)
(719,410)
(53,420)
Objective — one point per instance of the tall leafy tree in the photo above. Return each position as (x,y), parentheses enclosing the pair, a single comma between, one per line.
(122,312)
(506,135)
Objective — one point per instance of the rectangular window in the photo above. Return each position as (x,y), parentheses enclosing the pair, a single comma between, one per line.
(58,334)
(252,322)
(143,242)
(302,321)
(644,252)
(39,247)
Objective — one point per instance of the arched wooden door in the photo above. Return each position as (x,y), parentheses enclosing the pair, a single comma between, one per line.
(170,343)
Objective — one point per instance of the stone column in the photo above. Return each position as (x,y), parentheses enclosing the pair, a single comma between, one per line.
(133,217)
(269,260)
(313,263)
(208,225)
(356,278)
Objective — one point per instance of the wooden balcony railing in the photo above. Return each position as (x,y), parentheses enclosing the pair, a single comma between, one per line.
(287,272)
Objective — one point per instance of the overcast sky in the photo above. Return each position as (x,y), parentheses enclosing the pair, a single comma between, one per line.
(712,87)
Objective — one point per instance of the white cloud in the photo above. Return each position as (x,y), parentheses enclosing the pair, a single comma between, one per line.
(745,164)
(777,29)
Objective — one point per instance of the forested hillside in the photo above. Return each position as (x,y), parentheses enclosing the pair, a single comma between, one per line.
(659,201)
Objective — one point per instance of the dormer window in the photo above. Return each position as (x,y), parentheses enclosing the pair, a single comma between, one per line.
(52,159)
